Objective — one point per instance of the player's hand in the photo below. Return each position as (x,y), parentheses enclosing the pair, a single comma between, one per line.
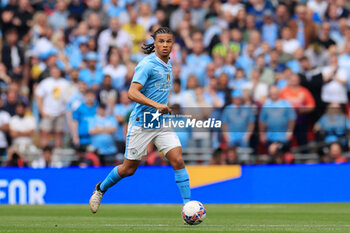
(163,109)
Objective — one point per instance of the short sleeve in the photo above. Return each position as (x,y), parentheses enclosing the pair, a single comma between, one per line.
(142,72)
(5,118)
(76,114)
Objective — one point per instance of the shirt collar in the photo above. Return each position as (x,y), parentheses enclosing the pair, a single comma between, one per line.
(160,61)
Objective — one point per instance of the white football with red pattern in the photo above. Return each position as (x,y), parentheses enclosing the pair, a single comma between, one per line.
(193,212)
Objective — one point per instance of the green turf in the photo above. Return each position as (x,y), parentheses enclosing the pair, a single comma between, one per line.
(260,218)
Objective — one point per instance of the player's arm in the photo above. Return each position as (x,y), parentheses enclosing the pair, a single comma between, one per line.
(135,95)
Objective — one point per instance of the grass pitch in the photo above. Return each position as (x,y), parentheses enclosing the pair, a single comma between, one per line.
(260,218)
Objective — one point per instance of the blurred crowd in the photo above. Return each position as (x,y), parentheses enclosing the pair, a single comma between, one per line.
(277,72)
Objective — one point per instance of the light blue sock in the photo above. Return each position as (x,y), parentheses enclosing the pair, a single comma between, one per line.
(112,178)
(183,182)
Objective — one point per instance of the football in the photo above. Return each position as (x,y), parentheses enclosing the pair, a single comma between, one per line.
(193,212)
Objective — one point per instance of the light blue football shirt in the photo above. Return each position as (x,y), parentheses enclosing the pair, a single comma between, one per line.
(276,115)
(156,78)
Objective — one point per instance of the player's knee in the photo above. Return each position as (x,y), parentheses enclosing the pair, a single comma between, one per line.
(178,163)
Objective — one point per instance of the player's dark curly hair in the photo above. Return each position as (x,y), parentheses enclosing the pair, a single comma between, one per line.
(149,48)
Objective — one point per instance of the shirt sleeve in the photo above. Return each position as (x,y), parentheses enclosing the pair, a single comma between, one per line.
(142,72)
(309,99)
(76,114)
(40,90)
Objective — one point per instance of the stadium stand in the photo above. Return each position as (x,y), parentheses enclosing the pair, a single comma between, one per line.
(282,66)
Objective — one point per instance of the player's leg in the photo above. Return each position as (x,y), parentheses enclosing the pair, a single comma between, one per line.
(169,143)
(126,169)
(181,175)
(136,147)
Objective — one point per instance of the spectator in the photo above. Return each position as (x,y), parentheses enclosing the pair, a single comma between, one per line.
(302,28)
(258,89)
(113,8)
(136,31)
(12,98)
(177,16)
(333,125)
(257,8)
(50,59)
(246,62)
(303,103)
(12,54)
(335,154)
(323,40)
(267,75)
(120,112)
(225,45)
(290,44)
(107,95)
(238,122)
(112,36)
(218,157)
(81,116)
(86,158)
(95,6)
(311,79)
(22,17)
(4,128)
(58,19)
(46,160)
(318,6)
(176,96)
(335,78)
(51,105)
(116,70)
(198,58)
(92,75)
(22,127)
(146,19)
(231,156)
(269,29)
(344,60)
(232,6)
(282,17)
(74,102)
(277,120)
(239,80)
(212,94)
(101,129)
(14,160)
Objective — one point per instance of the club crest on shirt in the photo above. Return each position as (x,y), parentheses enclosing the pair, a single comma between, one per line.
(168,77)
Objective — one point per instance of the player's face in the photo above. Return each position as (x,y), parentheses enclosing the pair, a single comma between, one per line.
(163,44)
